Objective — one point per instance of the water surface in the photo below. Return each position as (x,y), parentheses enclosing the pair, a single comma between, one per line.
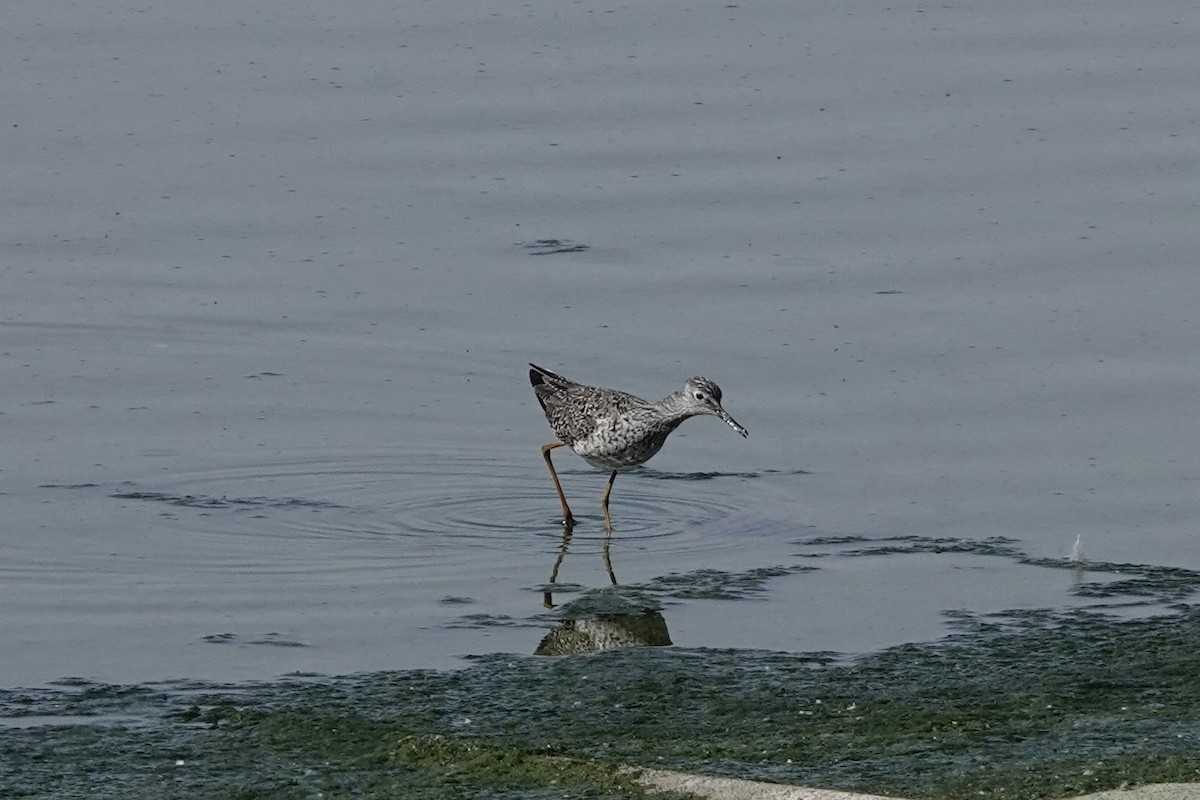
(271,282)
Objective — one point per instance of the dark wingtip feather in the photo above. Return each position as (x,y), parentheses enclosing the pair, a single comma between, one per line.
(541,379)
(537,375)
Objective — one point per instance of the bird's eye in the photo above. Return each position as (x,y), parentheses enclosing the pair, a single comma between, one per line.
(699,395)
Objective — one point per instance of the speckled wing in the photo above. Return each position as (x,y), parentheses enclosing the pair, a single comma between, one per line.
(575,412)
(573,409)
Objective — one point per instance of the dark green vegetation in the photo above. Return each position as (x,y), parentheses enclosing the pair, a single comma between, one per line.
(1137,584)
(1020,705)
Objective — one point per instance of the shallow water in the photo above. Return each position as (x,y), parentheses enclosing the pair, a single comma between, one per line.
(271,284)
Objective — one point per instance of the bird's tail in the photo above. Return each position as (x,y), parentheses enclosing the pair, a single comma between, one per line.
(538,376)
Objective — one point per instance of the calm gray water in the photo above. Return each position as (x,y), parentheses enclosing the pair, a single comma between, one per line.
(271,281)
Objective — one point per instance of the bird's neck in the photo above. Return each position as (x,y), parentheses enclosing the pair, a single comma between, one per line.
(676,408)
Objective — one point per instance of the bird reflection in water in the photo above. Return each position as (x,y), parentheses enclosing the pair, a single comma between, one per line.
(608,618)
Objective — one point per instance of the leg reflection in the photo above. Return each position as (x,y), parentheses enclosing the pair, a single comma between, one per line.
(612,576)
(548,596)
(606,553)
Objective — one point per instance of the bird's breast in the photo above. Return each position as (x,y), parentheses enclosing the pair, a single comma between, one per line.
(615,444)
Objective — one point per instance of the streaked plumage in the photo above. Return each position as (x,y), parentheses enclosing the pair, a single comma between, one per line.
(616,430)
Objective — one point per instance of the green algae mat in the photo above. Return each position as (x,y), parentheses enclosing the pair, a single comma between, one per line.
(1018,705)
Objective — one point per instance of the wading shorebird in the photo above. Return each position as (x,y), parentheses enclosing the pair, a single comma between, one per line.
(614,430)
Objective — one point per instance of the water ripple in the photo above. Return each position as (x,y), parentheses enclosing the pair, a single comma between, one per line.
(440,500)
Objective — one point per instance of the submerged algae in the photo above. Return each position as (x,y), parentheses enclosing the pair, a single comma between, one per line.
(1052,705)
(1140,584)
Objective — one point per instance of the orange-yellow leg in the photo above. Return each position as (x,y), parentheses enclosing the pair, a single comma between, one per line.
(604,502)
(568,519)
